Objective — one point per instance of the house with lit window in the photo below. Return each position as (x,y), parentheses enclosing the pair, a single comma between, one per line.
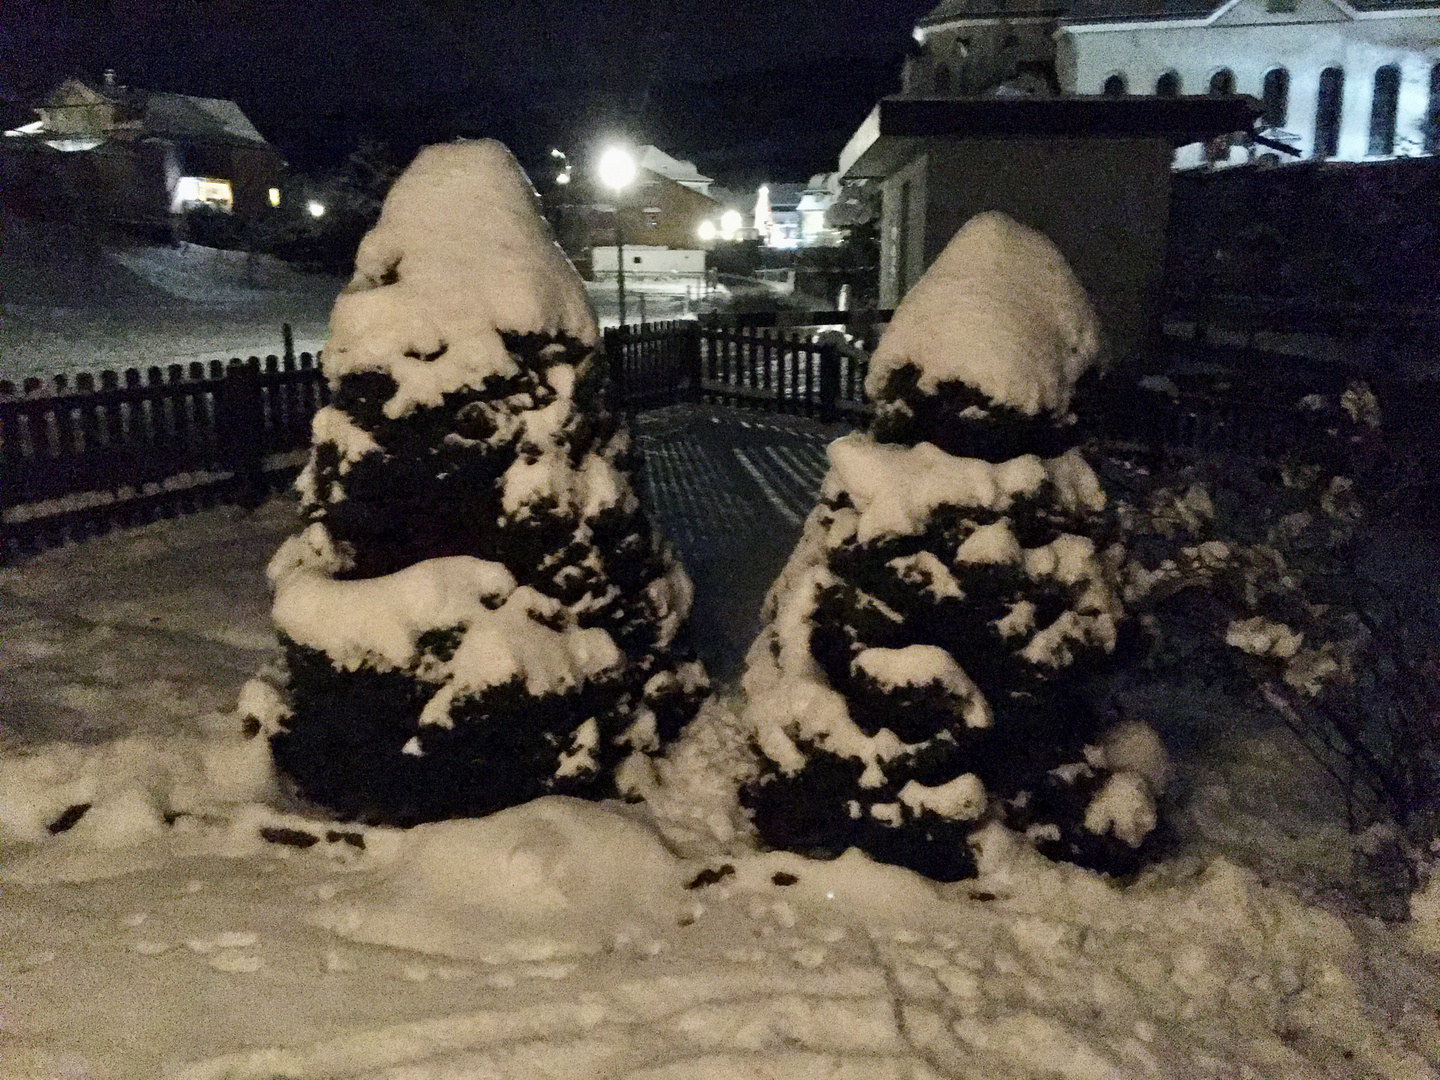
(664,219)
(139,158)
(1351,80)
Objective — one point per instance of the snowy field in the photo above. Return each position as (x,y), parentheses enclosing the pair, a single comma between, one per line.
(145,305)
(68,311)
(165,935)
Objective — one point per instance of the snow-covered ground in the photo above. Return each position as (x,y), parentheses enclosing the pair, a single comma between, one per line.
(167,910)
(69,308)
(65,312)
(565,940)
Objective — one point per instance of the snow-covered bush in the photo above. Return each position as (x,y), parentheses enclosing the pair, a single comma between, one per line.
(1262,580)
(476,612)
(917,677)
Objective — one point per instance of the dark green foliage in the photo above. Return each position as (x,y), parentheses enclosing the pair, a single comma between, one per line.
(962,421)
(815,813)
(895,591)
(435,488)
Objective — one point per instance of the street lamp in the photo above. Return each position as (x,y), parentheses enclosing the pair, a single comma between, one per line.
(617,171)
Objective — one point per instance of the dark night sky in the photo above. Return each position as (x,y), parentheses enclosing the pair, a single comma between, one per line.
(750,89)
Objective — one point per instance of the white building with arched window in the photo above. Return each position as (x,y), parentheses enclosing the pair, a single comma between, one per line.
(1353,80)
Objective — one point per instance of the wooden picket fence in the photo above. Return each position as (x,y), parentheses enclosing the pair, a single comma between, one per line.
(84,457)
(776,369)
(122,449)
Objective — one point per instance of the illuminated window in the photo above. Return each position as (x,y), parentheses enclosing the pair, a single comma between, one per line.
(274,196)
(204,191)
(1168,85)
(1382,110)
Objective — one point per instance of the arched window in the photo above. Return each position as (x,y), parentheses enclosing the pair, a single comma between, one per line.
(1382,111)
(1275,97)
(1114,86)
(1222,83)
(1168,85)
(1432,116)
(942,79)
(1327,112)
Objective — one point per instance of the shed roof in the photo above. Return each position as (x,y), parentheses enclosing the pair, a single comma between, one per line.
(897,128)
(1091,11)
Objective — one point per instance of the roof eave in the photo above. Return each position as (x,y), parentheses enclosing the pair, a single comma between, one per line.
(899,128)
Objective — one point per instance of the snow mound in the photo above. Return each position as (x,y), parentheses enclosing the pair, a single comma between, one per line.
(428,298)
(999,311)
(555,877)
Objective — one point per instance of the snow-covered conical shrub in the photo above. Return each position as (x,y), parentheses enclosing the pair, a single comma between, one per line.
(917,675)
(476,612)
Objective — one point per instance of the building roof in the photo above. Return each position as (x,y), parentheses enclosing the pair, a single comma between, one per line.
(655,160)
(1093,11)
(173,116)
(957,10)
(897,128)
(180,115)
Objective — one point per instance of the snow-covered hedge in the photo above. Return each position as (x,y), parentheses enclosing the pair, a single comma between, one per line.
(916,679)
(1262,580)
(476,612)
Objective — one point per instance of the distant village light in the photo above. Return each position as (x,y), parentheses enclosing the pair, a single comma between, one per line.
(274,196)
(316,208)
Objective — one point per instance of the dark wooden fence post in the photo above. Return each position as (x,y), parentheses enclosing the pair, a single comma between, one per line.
(241,419)
(288,335)
(829,383)
(694,363)
(7,390)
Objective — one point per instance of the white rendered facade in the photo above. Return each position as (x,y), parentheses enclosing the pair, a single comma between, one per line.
(1383,65)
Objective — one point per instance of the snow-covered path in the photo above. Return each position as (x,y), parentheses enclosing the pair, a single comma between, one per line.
(184,928)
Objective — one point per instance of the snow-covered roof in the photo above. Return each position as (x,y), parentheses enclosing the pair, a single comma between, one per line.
(174,116)
(655,160)
(214,118)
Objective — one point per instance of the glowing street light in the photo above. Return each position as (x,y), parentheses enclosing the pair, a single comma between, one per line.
(730,222)
(617,171)
(617,168)
(706,231)
(316,208)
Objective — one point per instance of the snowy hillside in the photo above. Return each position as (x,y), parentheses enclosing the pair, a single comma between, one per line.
(71,307)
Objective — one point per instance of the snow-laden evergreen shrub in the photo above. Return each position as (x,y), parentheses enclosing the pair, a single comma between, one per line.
(1262,580)
(917,677)
(476,613)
